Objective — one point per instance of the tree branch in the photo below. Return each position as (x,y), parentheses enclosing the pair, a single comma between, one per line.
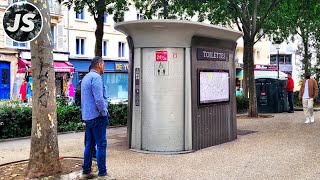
(273,4)
(260,37)
(238,25)
(254,19)
(245,23)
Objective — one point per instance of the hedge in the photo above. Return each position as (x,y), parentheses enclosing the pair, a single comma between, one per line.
(242,104)
(16,120)
(298,103)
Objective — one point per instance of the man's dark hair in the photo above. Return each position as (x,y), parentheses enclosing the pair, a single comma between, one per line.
(308,75)
(289,74)
(96,61)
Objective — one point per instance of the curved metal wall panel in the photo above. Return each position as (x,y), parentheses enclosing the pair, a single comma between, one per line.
(162,100)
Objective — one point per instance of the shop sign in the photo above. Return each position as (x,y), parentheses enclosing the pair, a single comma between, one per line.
(285,67)
(122,67)
(212,54)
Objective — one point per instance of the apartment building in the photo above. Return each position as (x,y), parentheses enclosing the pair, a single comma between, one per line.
(115,52)
(15,57)
(73,42)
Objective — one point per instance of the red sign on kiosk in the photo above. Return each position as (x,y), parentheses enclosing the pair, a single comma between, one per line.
(161,55)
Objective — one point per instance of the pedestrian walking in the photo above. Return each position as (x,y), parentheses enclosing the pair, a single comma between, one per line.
(23,90)
(94,109)
(29,90)
(308,94)
(289,89)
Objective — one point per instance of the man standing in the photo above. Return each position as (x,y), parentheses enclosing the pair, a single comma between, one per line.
(308,93)
(289,88)
(94,108)
(23,91)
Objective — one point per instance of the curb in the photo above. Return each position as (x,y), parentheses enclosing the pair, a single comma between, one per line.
(60,133)
(301,109)
(26,160)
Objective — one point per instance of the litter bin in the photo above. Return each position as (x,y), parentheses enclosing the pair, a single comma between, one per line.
(181,91)
(271,95)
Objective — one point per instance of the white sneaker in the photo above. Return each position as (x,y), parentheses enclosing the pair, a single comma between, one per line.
(312,119)
(307,121)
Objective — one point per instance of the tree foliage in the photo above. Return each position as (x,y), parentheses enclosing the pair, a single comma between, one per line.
(300,21)
(252,17)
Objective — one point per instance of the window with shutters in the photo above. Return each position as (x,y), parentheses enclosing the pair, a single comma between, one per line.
(104,48)
(80,15)
(105,18)
(59,35)
(53,41)
(139,17)
(121,49)
(80,46)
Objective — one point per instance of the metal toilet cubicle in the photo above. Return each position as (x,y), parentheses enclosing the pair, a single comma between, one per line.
(181,90)
(271,92)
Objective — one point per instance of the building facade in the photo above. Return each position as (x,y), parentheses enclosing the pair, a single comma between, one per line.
(81,34)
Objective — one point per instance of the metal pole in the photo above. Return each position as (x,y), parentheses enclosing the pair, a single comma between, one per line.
(165,10)
(278,63)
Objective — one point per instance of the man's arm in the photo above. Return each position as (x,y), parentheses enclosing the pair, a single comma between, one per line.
(316,89)
(300,92)
(97,91)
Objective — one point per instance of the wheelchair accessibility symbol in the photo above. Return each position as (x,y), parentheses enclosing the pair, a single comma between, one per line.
(161,68)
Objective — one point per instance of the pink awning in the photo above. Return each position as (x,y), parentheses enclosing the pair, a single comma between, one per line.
(22,65)
(63,67)
(58,66)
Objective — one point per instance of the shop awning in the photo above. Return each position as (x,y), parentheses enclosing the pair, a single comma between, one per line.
(58,66)
(22,65)
(63,67)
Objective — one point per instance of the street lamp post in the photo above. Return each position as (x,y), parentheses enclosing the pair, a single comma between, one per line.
(278,43)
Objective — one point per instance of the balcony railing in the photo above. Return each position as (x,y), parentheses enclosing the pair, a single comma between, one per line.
(55,8)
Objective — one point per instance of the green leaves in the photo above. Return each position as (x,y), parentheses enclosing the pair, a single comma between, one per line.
(96,7)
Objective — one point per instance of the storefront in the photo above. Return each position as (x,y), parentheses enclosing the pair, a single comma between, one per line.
(63,71)
(239,81)
(115,77)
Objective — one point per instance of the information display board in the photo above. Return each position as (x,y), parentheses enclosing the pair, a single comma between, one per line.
(213,86)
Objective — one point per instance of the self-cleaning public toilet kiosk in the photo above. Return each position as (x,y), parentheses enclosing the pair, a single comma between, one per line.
(181,85)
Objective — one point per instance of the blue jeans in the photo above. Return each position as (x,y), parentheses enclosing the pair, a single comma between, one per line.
(290,100)
(96,130)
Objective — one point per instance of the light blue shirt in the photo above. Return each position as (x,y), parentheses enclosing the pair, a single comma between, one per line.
(94,101)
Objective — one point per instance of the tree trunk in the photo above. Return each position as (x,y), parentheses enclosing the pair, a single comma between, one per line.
(306,55)
(245,67)
(99,31)
(44,152)
(253,111)
(165,9)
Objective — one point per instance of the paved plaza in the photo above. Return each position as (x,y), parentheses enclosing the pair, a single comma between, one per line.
(282,147)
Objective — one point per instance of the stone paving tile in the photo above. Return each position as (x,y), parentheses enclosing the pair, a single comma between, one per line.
(282,147)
